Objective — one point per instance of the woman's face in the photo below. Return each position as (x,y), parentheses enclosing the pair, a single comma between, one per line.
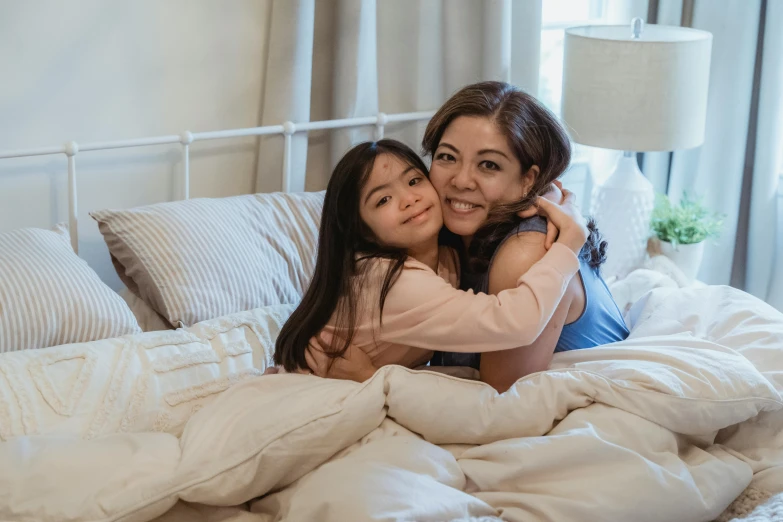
(474,169)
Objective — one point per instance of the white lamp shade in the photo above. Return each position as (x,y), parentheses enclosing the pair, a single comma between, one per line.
(646,94)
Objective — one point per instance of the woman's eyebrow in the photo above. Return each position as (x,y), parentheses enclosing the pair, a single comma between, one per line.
(448,146)
(487,151)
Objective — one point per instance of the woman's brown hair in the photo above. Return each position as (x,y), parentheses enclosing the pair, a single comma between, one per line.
(537,139)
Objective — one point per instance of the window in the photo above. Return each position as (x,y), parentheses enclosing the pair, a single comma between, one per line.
(557,15)
(780,189)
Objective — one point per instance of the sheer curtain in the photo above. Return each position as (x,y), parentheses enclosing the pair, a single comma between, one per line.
(346,58)
(736,169)
(763,262)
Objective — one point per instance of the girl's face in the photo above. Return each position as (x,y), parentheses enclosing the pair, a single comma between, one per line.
(399,205)
(474,169)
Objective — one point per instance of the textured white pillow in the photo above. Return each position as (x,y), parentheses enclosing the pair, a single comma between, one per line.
(203,258)
(151,381)
(49,296)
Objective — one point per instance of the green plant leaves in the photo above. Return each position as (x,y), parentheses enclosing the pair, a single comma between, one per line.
(688,223)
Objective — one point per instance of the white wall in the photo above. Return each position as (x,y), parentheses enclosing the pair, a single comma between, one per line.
(94,70)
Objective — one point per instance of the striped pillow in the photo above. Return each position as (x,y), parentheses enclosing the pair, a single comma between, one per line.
(49,296)
(203,258)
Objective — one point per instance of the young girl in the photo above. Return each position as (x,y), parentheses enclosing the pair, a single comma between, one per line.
(384,286)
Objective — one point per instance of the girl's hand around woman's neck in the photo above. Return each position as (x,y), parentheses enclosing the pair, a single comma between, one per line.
(554,194)
(569,220)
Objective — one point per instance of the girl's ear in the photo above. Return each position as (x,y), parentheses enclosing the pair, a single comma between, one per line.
(529,178)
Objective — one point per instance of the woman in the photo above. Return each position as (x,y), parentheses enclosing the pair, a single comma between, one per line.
(494,150)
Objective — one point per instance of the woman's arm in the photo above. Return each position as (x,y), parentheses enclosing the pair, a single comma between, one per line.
(502,369)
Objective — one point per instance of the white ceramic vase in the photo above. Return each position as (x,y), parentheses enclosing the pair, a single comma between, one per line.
(622,207)
(686,257)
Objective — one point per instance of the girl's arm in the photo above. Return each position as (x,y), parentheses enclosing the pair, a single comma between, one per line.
(422,308)
(424,311)
(502,369)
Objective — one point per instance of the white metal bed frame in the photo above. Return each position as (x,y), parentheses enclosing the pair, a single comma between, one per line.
(287,129)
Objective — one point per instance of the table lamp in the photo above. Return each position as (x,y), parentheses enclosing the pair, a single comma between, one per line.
(635,89)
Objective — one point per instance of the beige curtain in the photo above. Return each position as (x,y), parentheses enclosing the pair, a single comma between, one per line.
(286,94)
(345,58)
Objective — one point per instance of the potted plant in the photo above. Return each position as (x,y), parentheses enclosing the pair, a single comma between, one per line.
(682,230)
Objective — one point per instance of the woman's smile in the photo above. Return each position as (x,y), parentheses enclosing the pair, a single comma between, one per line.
(461,206)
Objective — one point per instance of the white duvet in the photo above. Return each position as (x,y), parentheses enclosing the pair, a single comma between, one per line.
(670,425)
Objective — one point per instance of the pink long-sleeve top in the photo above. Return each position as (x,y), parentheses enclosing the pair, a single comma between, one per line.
(425,311)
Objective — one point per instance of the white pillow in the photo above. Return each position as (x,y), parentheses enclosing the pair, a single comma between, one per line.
(151,381)
(203,258)
(49,296)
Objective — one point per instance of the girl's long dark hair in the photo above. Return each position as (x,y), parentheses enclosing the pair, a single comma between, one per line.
(345,243)
(536,137)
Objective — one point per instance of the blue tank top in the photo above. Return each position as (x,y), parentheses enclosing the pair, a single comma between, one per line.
(600,323)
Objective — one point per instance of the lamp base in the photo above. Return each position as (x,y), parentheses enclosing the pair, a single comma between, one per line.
(622,207)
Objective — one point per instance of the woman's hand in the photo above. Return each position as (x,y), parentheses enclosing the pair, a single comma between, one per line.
(554,194)
(567,218)
(353,365)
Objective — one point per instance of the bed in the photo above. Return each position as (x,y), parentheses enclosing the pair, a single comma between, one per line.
(682,421)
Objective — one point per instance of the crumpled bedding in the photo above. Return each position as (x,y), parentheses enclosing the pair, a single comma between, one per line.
(672,424)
